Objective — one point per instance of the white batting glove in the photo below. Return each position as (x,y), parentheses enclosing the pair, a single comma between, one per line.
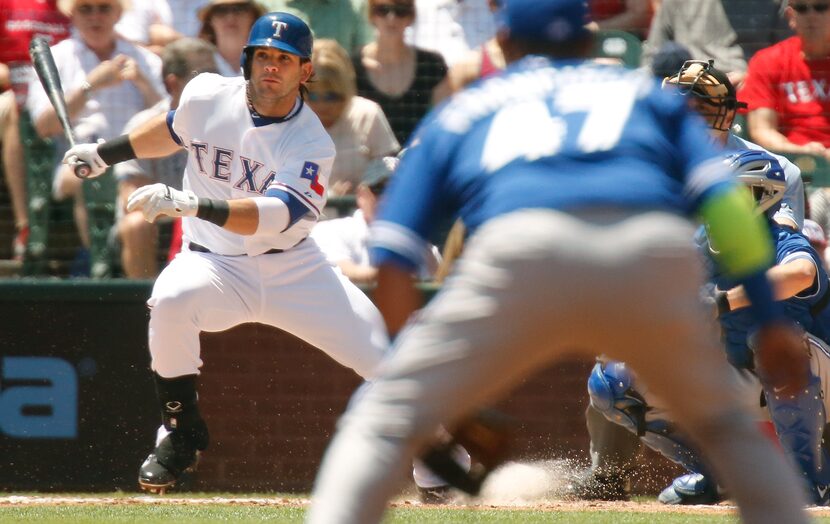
(86,154)
(159,199)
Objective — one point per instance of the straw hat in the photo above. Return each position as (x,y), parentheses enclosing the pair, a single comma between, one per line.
(205,10)
(65,6)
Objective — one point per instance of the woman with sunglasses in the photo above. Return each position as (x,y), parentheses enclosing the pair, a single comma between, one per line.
(226,24)
(405,80)
(357,125)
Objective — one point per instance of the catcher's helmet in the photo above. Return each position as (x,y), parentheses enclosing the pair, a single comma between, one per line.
(712,87)
(762,173)
(282,31)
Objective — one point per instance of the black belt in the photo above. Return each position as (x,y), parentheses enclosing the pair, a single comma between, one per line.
(193,246)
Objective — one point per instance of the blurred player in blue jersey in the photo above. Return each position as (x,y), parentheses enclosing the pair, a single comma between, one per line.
(576,182)
(801,283)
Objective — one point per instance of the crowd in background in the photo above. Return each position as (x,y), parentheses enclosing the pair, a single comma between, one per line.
(380,66)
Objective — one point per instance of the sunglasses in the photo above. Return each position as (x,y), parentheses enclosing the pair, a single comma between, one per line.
(88,9)
(803,8)
(325,96)
(400,11)
(230,9)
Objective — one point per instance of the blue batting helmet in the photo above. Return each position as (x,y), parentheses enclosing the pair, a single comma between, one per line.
(554,21)
(280,31)
(762,173)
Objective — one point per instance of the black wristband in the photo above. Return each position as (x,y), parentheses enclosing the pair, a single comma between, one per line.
(214,211)
(722,301)
(116,150)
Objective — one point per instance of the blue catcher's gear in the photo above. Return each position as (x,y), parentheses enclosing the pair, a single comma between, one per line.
(691,489)
(762,173)
(799,422)
(611,388)
(281,31)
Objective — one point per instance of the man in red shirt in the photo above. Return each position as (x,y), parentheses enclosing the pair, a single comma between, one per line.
(787,87)
(20,21)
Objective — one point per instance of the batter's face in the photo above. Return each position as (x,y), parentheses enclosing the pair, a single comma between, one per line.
(275,78)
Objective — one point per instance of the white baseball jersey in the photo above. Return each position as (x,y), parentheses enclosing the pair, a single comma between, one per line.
(234,155)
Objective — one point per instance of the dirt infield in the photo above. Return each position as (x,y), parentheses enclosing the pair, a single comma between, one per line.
(277,501)
(537,486)
(77,500)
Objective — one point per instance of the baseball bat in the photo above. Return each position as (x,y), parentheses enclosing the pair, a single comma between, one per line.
(44,65)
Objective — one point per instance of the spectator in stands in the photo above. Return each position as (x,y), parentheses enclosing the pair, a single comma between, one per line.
(817,237)
(345,240)
(727,31)
(819,207)
(20,20)
(452,28)
(403,79)
(788,86)
(357,125)
(340,20)
(106,80)
(226,24)
(669,59)
(185,19)
(481,62)
(148,23)
(181,60)
(633,16)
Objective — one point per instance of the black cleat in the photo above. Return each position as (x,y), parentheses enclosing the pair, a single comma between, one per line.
(436,495)
(161,470)
(154,478)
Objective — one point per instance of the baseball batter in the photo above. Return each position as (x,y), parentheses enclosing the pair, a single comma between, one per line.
(574,180)
(255,182)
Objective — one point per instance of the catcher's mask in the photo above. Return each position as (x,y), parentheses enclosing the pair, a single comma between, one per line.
(713,90)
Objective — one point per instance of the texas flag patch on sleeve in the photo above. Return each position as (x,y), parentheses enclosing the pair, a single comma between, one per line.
(311,172)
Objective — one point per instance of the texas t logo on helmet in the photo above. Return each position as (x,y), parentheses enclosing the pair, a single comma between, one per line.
(277,30)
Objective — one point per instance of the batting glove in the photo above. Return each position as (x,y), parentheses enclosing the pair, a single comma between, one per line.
(86,154)
(159,199)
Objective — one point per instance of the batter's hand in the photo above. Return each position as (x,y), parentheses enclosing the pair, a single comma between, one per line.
(782,358)
(86,154)
(159,199)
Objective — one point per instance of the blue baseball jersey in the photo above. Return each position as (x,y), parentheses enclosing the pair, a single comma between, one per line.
(789,245)
(546,133)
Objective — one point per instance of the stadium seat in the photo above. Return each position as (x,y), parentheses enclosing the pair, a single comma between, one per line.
(815,170)
(47,252)
(620,45)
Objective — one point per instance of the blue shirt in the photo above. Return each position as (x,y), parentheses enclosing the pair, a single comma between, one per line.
(790,245)
(545,133)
